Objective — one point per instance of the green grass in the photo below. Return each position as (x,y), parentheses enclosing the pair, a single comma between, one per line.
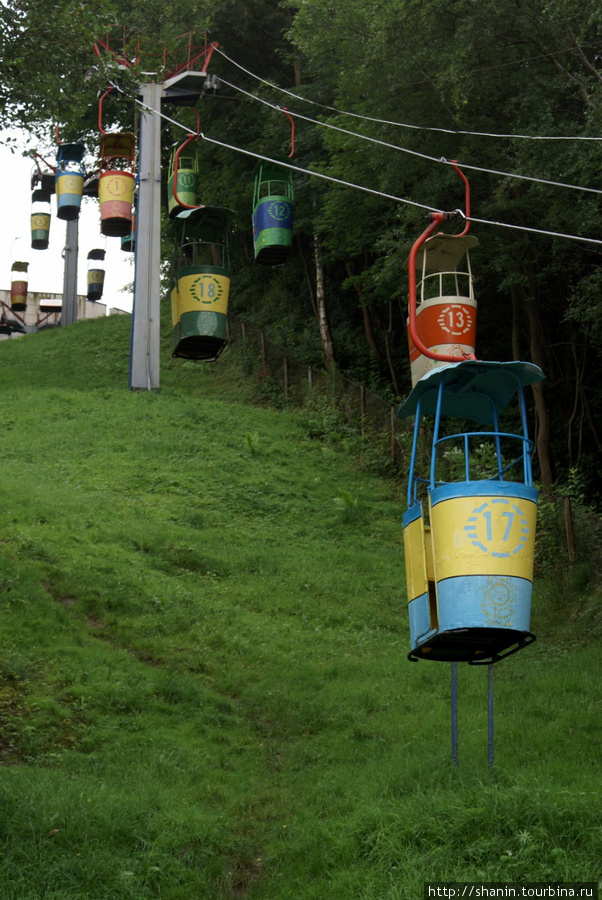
(204,690)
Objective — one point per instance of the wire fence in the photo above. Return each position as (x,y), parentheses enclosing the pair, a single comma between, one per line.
(373,416)
(565,529)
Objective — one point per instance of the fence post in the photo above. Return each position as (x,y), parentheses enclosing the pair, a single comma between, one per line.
(329,380)
(568,523)
(263,351)
(363,408)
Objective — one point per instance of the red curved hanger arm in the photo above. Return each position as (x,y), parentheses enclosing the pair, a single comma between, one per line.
(466,197)
(36,157)
(292,121)
(436,219)
(100,128)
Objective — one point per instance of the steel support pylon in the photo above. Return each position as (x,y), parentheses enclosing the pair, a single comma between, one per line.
(144,351)
(69,310)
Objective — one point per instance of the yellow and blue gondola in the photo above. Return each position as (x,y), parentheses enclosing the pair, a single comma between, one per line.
(69,184)
(469,538)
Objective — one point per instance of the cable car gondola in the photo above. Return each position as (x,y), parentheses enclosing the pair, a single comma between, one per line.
(42,187)
(96,275)
(273,213)
(40,219)
(116,179)
(200,278)
(116,183)
(273,208)
(19,285)
(446,309)
(69,181)
(184,174)
(469,536)
(442,310)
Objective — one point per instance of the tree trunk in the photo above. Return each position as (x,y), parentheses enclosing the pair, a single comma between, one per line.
(323,323)
(310,286)
(542,430)
(388,333)
(297,66)
(592,424)
(579,367)
(296,54)
(366,314)
(516,320)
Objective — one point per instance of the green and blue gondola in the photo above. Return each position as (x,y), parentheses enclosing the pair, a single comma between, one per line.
(273,213)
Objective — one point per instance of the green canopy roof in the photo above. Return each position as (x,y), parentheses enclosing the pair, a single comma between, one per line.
(200,219)
(472,389)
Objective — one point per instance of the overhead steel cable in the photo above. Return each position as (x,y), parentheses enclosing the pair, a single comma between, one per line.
(374,192)
(351,184)
(524,137)
(299,169)
(416,153)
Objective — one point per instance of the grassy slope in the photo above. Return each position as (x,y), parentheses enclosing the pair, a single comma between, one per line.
(204,690)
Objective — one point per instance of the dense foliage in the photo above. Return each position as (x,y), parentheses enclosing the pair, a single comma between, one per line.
(465,78)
